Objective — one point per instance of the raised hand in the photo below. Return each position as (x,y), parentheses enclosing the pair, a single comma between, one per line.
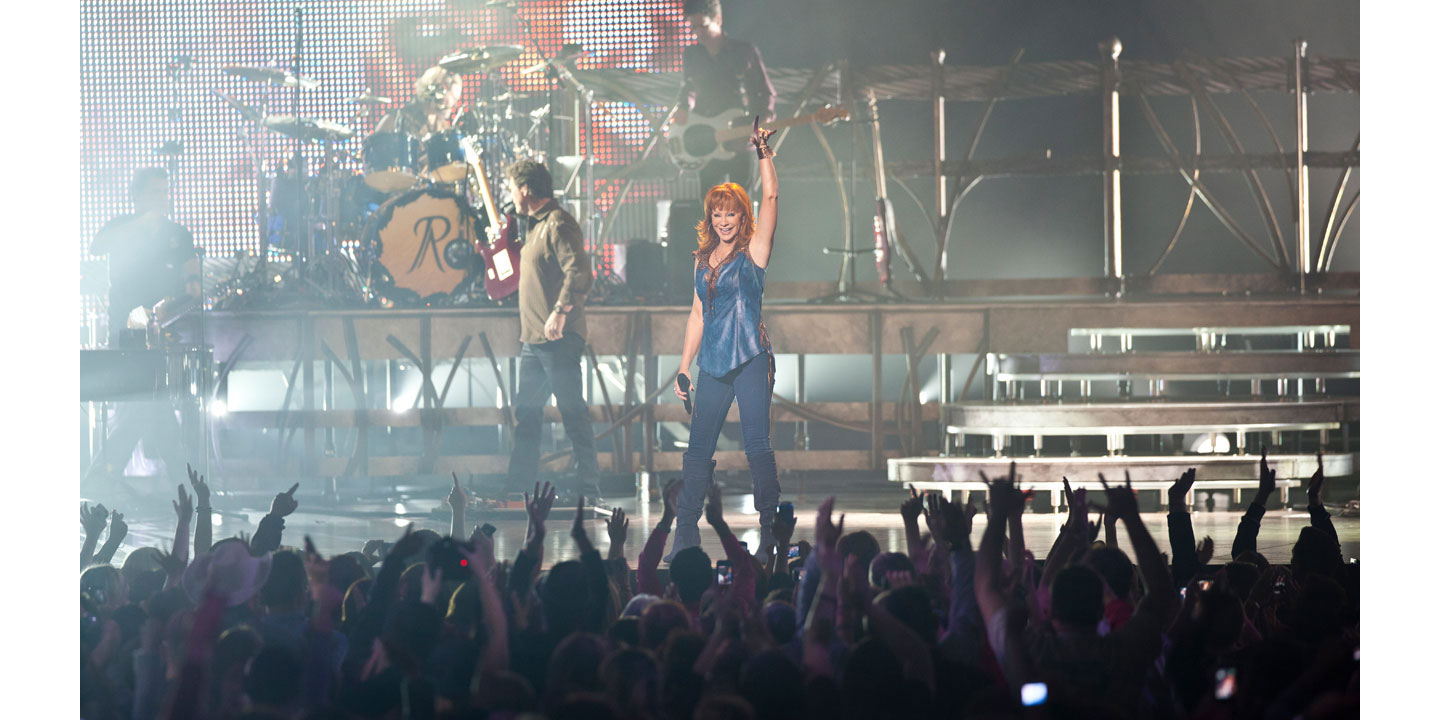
(1205,550)
(617,526)
(760,138)
(714,511)
(783,529)
(671,497)
(827,536)
(458,497)
(1317,481)
(1180,490)
(285,502)
(184,509)
(538,506)
(912,507)
(197,483)
(577,528)
(118,528)
(93,518)
(1120,500)
(482,558)
(1267,477)
(1006,499)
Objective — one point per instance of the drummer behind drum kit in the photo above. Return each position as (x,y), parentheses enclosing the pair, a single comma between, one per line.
(408,227)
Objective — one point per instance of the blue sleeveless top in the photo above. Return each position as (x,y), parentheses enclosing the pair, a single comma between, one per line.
(733,330)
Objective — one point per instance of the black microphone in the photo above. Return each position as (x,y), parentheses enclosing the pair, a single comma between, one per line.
(685,388)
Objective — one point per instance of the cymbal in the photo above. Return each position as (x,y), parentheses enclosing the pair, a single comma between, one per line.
(307,128)
(481,59)
(246,111)
(369,98)
(277,77)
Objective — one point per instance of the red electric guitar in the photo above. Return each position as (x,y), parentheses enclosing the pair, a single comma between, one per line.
(499,248)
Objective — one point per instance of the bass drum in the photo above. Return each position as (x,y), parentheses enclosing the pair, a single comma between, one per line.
(423,248)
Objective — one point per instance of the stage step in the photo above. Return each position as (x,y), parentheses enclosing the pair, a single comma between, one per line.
(1117,419)
(950,475)
(1178,366)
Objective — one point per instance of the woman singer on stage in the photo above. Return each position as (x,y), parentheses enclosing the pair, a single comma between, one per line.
(727,335)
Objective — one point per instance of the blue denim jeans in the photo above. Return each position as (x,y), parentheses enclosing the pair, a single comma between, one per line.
(750,385)
(546,369)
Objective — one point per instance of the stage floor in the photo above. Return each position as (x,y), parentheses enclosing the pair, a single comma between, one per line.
(874,507)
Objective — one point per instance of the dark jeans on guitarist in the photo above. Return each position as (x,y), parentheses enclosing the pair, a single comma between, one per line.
(739,170)
(545,369)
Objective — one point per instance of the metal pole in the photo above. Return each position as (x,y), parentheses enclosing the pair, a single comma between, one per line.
(1110,119)
(944,370)
(942,183)
(1302,173)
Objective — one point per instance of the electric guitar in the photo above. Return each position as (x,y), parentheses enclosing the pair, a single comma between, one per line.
(702,139)
(499,248)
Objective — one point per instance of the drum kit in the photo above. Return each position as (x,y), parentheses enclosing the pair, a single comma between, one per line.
(404,224)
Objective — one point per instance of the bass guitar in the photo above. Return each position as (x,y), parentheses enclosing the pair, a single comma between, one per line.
(703,139)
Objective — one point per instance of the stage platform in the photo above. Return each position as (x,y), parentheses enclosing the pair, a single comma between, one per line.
(344,384)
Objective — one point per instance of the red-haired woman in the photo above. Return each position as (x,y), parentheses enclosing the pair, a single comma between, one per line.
(727,336)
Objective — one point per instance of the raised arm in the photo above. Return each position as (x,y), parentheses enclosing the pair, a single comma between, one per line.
(496,657)
(763,239)
(118,528)
(93,520)
(649,559)
(203,534)
(184,511)
(1249,527)
(743,588)
(1319,516)
(267,535)
(457,499)
(1005,498)
(1160,594)
(1183,557)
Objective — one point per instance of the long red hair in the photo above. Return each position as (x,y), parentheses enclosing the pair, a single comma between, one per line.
(726,196)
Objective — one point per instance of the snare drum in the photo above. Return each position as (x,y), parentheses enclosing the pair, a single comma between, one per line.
(424,245)
(392,161)
(444,161)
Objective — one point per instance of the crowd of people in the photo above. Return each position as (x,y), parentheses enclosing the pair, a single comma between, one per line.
(436,626)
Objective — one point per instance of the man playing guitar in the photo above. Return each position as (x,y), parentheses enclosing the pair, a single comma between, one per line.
(722,73)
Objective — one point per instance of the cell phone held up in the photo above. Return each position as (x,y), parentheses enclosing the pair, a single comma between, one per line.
(445,554)
(684,381)
(787,511)
(724,574)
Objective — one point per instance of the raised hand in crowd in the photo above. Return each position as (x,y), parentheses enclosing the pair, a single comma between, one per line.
(910,512)
(1317,481)
(578,533)
(118,529)
(92,519)
(1205,551)
(617,527)
(482,545)
(203,533)
(1249,527)
(457,499)
(184,513)
(285,503)
(1267,479)
(267,535)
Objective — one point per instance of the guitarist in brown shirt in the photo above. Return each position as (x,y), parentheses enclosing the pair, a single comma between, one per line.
(555,276)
